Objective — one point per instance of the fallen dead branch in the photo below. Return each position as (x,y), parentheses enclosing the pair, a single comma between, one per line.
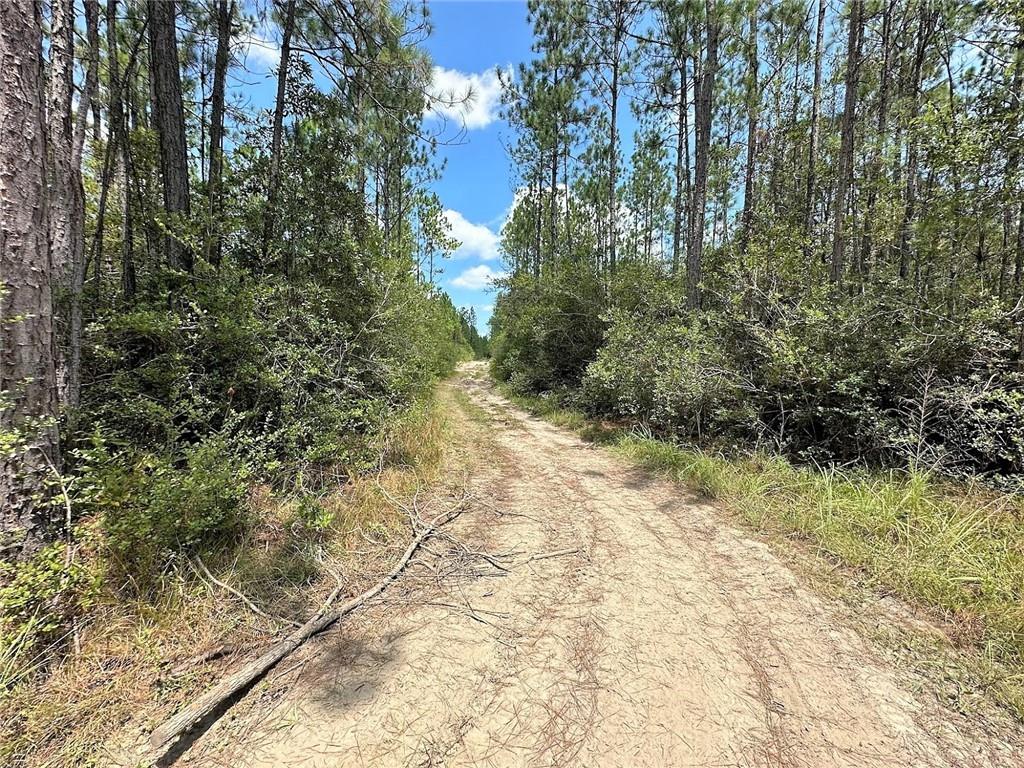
(249,603)
(189,665)
(222,694)
(548,555)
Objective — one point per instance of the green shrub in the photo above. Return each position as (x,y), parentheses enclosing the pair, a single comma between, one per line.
(870,380)
(665,372)
(43,593)
(546,333)
(149,508)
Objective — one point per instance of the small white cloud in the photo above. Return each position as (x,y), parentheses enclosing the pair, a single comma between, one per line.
(477,278)
(260,50)
(471,99)
(474,239)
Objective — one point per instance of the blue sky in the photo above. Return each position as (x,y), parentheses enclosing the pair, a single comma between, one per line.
(469,41)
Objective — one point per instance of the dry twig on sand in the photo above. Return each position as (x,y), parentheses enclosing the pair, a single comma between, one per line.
(206,705)
(547,555)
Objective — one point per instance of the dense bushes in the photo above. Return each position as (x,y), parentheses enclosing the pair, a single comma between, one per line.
(188,401)
(546,332)
(823,378)
(666,373)
(275,379)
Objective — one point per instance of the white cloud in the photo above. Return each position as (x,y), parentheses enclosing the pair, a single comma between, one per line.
(474,239)
(260,50)
(477,278)
(472,99)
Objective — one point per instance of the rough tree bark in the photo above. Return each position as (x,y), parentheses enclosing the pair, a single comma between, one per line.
(169,120)
(66,197)
(28,379)
(60,87)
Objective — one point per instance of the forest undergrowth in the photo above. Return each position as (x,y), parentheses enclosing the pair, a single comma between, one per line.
(136,660)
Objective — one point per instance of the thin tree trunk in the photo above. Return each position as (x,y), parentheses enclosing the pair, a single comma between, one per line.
(812,144)
(270,217)
(117,139)
(1018,267)
(61,86)
(879,150)
(169,119)
(845,173)
(613,156)
(553,202)
(28,379)
(538,220)
(753,104)
(1013,159)
(225,11)
(703,117)
(62,202)
(682,139)
(568,200)
(74,374)
(910,194)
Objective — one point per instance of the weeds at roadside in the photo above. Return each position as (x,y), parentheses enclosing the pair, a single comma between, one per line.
(141,658)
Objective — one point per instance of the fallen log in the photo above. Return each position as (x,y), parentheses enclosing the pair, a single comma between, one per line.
(164,737)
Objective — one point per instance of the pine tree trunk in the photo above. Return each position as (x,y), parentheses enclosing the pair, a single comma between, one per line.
(682,139)
(553,201)
(1018,266)
(613,156)
(812,143)
(73,385)
(28,380)
(910,193)
(61,85)
(169,120)
(270,217)
(878,152)
(1016,84)
(753,104)
(66,201)
(845,173)
(538,221)
(702,126)
(216,172)
(568,200)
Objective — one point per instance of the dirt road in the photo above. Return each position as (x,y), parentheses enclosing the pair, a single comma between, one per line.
(617,622)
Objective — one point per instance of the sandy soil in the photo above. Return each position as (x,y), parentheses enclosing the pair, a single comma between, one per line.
(617,622)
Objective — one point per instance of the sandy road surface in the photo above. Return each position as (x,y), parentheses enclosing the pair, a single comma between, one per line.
(631,626)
